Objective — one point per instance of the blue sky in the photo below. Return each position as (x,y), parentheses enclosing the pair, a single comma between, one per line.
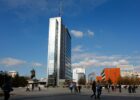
(104,33)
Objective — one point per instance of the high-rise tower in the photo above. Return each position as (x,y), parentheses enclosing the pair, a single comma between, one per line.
(59,52)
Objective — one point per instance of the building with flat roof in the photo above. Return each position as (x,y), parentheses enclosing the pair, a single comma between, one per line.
(99,78)
(78,73)
(12,73)
(111,73)
(136,74)
(126,70)
(59,52)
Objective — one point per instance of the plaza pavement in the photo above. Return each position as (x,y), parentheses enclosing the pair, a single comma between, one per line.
(64,94)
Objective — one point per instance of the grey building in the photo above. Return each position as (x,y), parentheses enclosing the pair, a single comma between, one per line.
(59,52)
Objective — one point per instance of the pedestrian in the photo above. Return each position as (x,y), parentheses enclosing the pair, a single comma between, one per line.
(7,88)
(120,88)
(32,86)
(27,89)
(99,90)
(71,87)
(112,87)
(108,88)
(75,88)
(133,89)
(39,89)
(93,89)
(129,89)
(79,88)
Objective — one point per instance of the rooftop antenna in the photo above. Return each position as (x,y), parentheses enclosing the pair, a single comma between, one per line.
(60,8)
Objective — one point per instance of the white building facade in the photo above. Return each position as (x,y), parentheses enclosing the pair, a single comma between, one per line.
(12,73)
(126,70)
(78,73)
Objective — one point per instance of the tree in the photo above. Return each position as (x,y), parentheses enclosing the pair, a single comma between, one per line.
(1,79)
(103,82)
(19,81)
(15,81)
(119,81)
(82,81)
(129,80)
(3,75)
(109,81)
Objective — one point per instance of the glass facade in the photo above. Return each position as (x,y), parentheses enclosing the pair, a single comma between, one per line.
(65,53)
(52,55)
(59,52)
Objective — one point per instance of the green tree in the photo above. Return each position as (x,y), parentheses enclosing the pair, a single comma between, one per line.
(129,80)
(1,79)
(103,82)
(126,81)
(109,81)
(120,80)
(19,81)
(82,81)
(3,75)
(15,81)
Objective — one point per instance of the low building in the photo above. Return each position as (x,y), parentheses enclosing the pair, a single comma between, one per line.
(126,70)
(42,82)
(136,74)
(12,73)
(78,73)
(99,78)
(112,74)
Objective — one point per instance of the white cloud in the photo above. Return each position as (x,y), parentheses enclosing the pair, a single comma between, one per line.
(9,61)
(90,33)
(77,33)
(12,61)
(92,60)
(98,63)
(78,48)
(123,61)
(80,34)
(36,64)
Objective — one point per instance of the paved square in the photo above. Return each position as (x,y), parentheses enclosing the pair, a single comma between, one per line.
(64,94)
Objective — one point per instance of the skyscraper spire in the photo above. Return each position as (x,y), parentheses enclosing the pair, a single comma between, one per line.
(60,8)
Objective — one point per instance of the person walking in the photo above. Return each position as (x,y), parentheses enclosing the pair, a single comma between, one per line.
(7,88)
(129,89)
(75,88)
(99,90)
(79,88)
(108,88)
(27,89)
(71,87)
(133,89)
(120,88)
(93,89)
